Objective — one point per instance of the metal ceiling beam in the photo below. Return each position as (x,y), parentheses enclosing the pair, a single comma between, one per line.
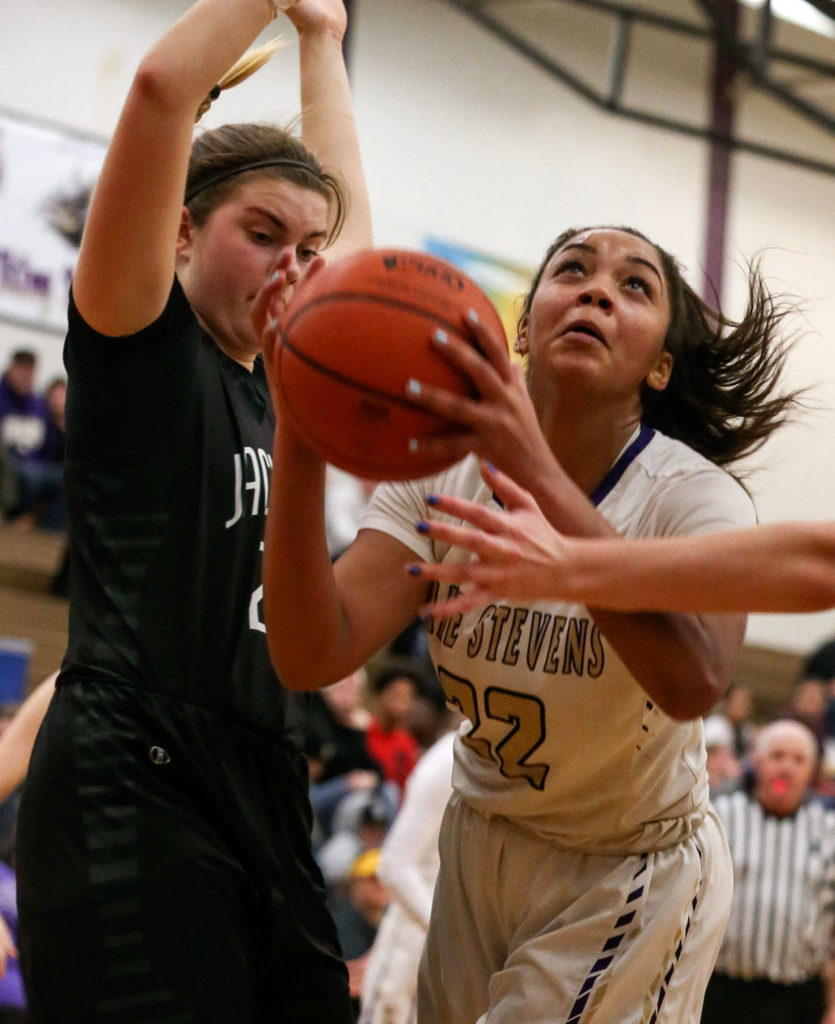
(826,7)
(755,60)
(626,15)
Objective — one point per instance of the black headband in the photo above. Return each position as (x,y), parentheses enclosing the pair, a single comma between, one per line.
(256,165)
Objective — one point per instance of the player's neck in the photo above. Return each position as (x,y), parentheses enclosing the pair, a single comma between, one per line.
(587,447)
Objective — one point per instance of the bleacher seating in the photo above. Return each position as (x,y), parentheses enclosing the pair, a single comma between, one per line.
(29,611)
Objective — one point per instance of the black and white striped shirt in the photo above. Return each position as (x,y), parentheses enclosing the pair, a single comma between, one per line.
(784,890)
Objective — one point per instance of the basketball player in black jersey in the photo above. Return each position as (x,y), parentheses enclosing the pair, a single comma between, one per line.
(165,868)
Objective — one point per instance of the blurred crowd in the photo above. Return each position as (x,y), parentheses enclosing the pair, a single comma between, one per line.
(730,731)
(364,737)
(31,446)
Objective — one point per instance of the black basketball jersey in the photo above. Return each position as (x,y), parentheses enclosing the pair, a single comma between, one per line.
(169,446)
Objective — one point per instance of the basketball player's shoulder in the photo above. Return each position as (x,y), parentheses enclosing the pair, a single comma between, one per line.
(673,477)
(461,480)
(665,457)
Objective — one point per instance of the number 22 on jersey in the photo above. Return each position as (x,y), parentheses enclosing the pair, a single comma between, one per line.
(523,715)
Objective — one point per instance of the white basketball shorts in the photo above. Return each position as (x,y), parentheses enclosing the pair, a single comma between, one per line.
(523,932)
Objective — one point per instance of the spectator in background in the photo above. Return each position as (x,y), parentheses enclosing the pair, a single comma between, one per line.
(819,671)
(807,704)
(50,505)
(360,823)
(775,959)
(333,725)
(737,707)
(55,399)
(723,768)
(358,907)
(820,666)
(32,439)
(409,866)
(393,692)
(12,996)
(22,427)
(429,714)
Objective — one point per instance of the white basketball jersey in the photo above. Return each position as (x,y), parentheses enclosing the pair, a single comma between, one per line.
(561,738)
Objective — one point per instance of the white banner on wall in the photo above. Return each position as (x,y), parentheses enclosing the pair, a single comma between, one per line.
(46,177)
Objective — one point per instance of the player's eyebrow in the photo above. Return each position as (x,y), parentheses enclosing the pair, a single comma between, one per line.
(587,247)
(647,263)
(279,223)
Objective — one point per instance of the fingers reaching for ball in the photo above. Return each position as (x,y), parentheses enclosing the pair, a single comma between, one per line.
(516,553)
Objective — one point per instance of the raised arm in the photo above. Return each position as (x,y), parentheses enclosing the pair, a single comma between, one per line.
(126,263)
(328,123)
(783,567)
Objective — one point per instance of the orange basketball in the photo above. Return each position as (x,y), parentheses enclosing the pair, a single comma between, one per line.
(353,336)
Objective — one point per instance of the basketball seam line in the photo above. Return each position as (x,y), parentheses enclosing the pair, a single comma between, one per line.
(382,301)
(344,379)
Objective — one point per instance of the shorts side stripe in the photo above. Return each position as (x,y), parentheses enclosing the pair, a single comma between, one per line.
(625,919)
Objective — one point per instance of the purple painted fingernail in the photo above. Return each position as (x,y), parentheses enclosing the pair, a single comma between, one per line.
(490,467)
(432,499)
(422,526)
(414,570)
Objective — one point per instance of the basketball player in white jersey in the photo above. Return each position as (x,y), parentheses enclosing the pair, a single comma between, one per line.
(583,874)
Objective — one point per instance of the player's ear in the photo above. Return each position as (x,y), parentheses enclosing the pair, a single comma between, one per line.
(520,345)
(659,376)
(185,236)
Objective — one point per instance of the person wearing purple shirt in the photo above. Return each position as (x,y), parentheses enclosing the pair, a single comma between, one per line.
(12,998)
(31,442)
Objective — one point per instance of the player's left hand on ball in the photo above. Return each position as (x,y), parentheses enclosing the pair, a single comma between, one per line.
(517,553)
(500,424)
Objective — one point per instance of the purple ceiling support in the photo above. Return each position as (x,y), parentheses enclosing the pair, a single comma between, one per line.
(719,181)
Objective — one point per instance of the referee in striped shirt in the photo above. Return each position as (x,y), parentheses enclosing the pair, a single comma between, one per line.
(776,961)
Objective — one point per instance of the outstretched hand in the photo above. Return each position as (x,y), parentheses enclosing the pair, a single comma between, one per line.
(517,553)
